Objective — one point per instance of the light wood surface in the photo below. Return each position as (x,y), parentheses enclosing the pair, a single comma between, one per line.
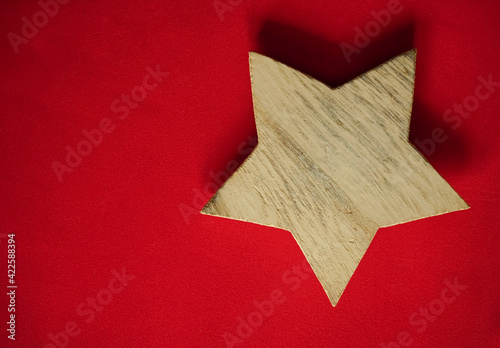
(333,165)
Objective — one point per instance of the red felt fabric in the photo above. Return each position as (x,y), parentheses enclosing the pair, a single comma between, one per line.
(129,205)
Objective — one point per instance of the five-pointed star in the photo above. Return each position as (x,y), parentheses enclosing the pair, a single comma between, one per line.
(333,165)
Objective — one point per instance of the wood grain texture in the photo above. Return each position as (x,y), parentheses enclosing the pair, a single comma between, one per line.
(333,165)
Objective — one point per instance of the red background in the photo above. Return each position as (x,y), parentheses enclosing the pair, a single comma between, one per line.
(120,207)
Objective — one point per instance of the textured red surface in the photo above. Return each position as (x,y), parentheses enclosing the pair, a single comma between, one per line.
(122,207)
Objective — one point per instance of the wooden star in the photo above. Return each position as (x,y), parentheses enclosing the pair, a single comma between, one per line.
(332,165)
